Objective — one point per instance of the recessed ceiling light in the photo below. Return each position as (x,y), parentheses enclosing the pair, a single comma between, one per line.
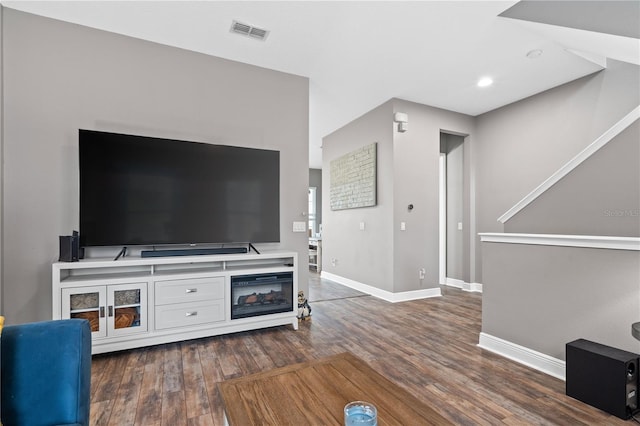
(535,53)
(485,81)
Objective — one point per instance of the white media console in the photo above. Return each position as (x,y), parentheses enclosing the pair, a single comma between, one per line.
(133,302)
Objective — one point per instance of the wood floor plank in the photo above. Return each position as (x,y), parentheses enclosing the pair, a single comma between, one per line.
(196,398)
(98,366)
(428,347)
(109,383)
(174,410)
(277,348)
(172,369)
(100,412)
(205,420)
(236,345)
(262,360)
(129,390)
(150,400)
(213,375)
(226,358)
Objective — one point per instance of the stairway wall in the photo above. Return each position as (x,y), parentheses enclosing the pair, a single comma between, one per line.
(599,197)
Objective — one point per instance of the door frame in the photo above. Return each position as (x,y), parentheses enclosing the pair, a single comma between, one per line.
(442,185)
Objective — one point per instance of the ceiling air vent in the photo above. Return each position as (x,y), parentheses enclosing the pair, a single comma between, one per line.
(248,30)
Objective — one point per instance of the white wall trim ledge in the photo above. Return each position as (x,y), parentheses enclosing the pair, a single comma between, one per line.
(602,140)
(589,241)
(549,365)
(382,294)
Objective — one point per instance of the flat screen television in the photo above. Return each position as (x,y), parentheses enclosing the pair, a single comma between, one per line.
(137,190)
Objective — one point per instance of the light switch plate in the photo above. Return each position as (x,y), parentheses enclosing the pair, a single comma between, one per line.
(299,226)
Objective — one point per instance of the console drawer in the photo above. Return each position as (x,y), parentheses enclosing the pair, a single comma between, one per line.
(189,290)
(186,314)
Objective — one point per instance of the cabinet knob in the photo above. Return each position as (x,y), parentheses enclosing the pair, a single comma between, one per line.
(191,290)
(191,314)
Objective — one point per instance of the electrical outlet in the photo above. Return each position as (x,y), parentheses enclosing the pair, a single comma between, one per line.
(422,273)
(334,262)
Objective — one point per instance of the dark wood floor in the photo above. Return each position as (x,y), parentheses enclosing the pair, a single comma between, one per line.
(428,346)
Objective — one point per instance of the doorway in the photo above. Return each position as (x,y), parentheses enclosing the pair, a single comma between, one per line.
(313,209)
(451,210)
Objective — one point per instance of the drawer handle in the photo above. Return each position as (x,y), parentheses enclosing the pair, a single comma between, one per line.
(191,290)
(191,314)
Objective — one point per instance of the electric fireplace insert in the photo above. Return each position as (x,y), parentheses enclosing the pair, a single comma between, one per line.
(261,294)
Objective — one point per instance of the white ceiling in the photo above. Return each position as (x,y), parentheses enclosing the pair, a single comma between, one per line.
(360,54)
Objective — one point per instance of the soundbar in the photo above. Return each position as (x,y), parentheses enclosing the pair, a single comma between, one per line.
(193,252)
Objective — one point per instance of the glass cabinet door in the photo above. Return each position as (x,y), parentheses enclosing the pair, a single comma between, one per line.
(87,303)
(127,308)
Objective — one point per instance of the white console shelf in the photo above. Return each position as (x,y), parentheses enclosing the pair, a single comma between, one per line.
(134,302)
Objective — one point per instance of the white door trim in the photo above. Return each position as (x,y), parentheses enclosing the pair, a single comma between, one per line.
(442,183)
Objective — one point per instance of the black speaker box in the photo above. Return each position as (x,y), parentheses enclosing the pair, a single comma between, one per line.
(603,377)
(70,247)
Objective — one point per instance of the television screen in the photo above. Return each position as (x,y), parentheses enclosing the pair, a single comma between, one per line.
(137,190)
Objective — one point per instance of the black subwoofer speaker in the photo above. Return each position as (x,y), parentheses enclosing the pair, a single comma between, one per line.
(70,248)
(602,376)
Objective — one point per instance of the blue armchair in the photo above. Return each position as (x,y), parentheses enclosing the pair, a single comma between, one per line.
(46,373)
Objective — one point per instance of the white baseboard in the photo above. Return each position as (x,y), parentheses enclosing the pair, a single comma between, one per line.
(477,287)
(534,359)
(453,282)
(383,294)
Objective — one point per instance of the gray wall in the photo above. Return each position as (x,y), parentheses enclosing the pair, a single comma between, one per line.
(315,179)
(59,77)
(522,144)
(544,297)
(416,181)
(382,255)
(600,197)
(507,153)
(364,256)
